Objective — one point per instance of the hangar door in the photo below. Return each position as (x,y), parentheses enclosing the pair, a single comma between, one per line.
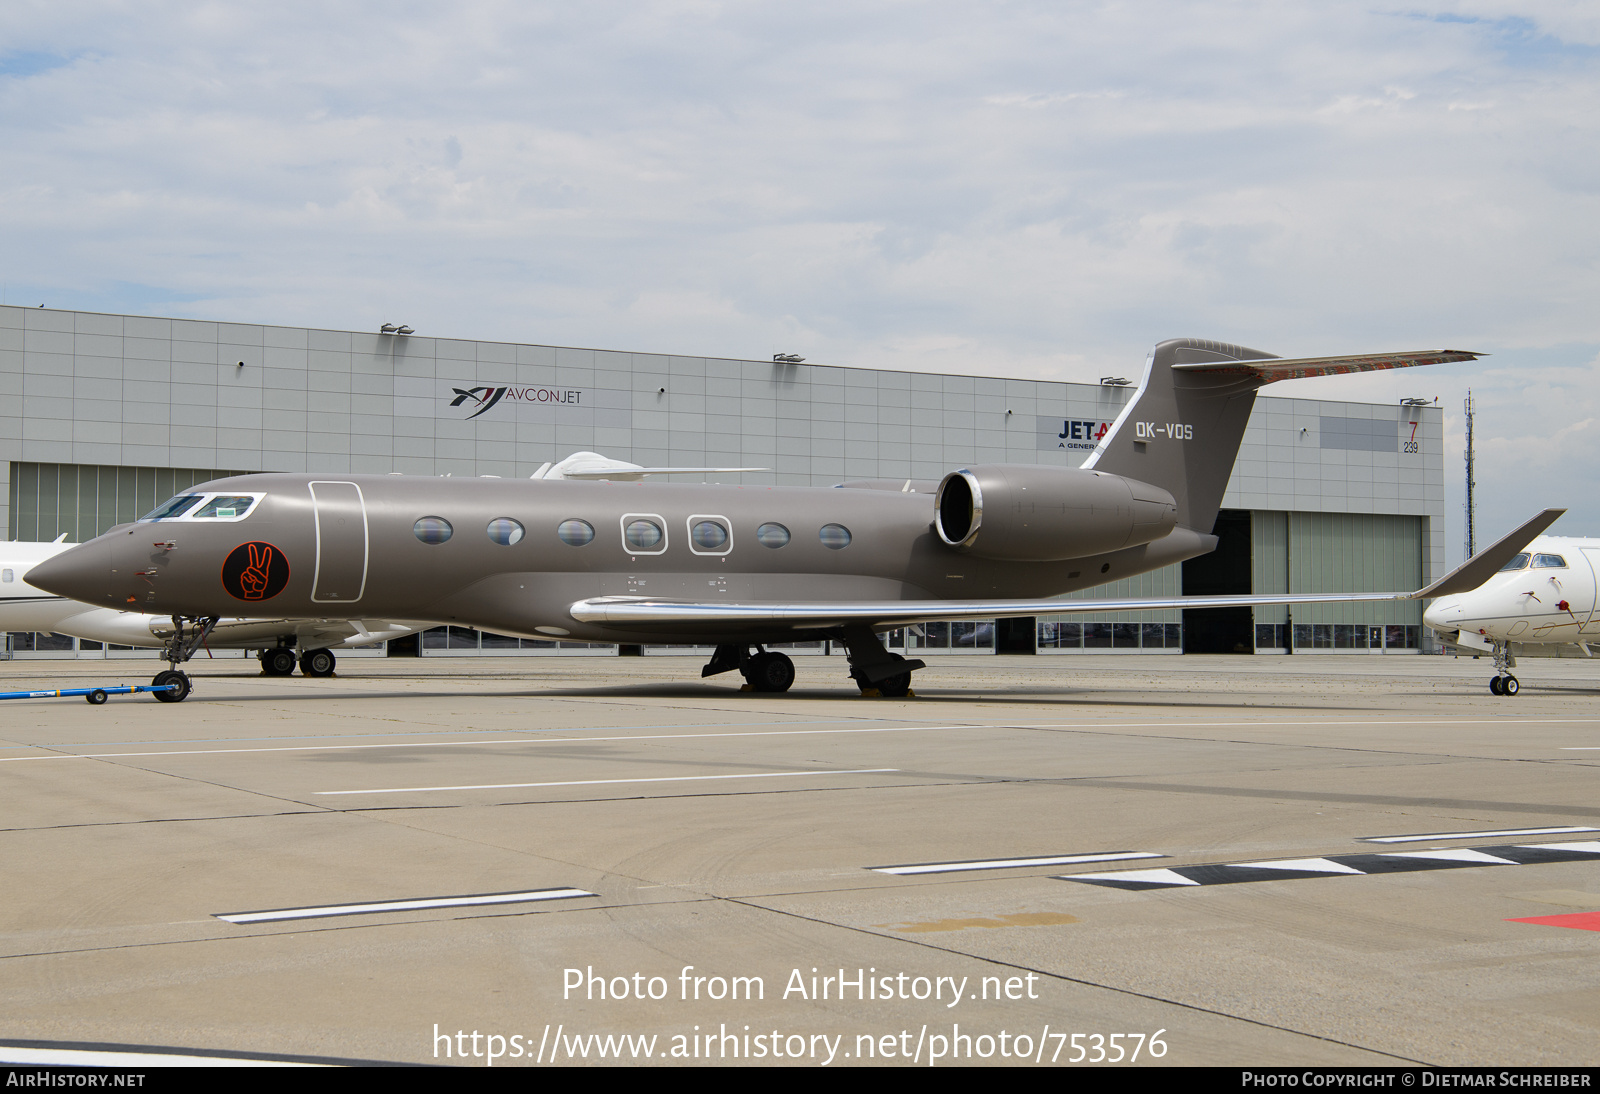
(1224,572)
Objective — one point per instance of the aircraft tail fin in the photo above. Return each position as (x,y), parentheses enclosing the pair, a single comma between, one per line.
(1182,429)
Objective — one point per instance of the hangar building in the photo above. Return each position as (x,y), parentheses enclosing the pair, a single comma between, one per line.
(106,416)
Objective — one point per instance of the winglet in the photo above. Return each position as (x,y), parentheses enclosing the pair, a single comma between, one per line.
(1486,563)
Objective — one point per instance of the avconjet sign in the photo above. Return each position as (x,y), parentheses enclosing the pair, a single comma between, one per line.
(484,397)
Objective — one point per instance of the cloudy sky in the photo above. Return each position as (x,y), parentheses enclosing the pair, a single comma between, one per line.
(1020,189)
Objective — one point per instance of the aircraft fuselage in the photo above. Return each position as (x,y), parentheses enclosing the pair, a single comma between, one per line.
(512,556)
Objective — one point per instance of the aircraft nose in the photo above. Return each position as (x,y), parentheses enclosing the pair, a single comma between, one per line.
(1443,614)
(82,573)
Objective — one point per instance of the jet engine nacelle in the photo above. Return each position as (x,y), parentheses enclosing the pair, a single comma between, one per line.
(1021,513)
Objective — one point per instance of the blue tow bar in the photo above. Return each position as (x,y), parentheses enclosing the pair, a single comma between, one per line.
(96,696)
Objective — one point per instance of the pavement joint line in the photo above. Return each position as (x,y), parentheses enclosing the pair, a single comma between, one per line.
(608,782)
(467,744)
(1099,726)
(425,732)
(1064,978)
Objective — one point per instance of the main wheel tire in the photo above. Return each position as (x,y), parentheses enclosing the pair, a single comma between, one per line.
(177,683)
(1509,686)
(770,672)
(1494,686)
(278,662)
(895,687)
(317,662)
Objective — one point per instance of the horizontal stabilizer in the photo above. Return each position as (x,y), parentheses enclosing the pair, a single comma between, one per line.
(1270,369)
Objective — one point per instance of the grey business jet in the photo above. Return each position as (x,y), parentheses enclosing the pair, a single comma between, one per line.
(738,567)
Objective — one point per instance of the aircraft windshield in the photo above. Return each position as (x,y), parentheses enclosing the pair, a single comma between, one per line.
(174,508)
(210,507)
(1547,562)
(225,506)
(1515,564)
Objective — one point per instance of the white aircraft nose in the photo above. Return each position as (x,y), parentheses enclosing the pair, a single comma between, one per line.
(1444,614)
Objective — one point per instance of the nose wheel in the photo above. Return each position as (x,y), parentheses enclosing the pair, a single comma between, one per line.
(1504,685)
(176,683)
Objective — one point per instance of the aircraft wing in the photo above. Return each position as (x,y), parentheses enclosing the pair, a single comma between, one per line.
(642,611)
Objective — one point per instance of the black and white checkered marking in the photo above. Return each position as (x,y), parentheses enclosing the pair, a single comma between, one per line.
(1393,862)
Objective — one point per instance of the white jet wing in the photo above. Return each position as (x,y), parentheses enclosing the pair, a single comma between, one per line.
(640,611)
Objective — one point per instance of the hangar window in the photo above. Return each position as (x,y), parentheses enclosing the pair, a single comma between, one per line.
(1518,563)
(835,537)
(1549,562)
(505,531)
(575,533)
(174,508)
(433,529)
(644,535)
(772,535)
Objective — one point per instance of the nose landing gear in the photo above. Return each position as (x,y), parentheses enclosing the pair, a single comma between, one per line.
(1504,683)
(188,632)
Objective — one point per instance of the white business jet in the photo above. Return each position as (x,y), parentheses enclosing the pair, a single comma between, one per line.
(1545,595)
(25,608)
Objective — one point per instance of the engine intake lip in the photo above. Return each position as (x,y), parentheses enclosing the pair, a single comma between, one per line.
(958,508)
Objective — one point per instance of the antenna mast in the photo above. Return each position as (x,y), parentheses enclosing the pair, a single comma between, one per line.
(1472,547)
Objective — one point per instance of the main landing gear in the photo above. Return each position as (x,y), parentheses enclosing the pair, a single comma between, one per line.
(1504,683)
(875,670)
(281,660)
(188,632)
(763,670)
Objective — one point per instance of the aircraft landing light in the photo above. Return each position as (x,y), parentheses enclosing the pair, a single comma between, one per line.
(1582,921)
(468,901)
(912,869)
(1423,837)
(614,782)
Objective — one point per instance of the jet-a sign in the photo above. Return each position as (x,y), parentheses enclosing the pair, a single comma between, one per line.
(1076,434)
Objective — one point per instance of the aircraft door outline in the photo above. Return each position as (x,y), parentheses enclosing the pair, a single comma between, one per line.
(338,502)
(1591,625)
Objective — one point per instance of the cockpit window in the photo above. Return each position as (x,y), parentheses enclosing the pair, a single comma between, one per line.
(1517,563)
(1549,562)
(225,506)
(174,508)
(211,507)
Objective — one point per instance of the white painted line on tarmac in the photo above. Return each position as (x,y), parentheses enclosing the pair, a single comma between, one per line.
(1426,836)
(612,782)
(1011,863)
(1458,854)
(1301,865)
(1139,877)
(470,901)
